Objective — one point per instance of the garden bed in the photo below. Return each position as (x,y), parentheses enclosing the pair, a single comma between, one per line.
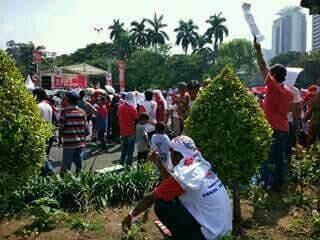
(280,222)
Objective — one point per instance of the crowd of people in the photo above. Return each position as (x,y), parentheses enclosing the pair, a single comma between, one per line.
(190,199)
(152,123)
(136,120)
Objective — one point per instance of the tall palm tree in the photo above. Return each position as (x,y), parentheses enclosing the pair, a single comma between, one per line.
(217,30)
(139,35)
(116,29)
(202,47)
(156,35)
(123,45)
(186,35)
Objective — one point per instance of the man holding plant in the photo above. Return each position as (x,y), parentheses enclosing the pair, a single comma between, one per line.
(191,200)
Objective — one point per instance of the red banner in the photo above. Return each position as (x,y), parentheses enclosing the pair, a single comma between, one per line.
(37,54)
(70,81)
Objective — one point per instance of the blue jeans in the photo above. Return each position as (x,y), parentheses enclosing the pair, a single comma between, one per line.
(70,155)
(102,138)
(47,168)
(127,150)
(277,159)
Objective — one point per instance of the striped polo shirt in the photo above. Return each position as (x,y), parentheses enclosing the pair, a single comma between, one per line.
(73,123)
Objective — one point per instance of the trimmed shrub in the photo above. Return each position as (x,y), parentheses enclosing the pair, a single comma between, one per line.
(23,134)
(229,127)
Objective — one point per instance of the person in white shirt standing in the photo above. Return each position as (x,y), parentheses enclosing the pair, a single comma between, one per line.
(160,143)
(46,112)
(294,119)
(150,107)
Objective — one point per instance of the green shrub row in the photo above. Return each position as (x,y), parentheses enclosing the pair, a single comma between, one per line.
(76,193)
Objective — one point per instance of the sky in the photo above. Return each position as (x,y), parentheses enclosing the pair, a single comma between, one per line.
(63,26)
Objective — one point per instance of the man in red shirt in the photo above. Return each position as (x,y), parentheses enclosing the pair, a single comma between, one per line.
(276,107)
(128,115)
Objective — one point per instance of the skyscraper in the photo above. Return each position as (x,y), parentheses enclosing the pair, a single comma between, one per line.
(316,32)
(289,31)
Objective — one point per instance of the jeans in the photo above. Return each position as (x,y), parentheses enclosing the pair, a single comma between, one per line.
(70,155)
(276,158)
(127,150)
(315,133)
(47,168)
(49,145)
(178,220)
(291,142)
(101,138)
(142,158)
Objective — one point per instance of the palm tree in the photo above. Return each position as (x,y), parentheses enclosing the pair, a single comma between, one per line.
(123,45)
(156,35)
(116,29)
(139,35)
(202,47)
(217,30)
(187,35)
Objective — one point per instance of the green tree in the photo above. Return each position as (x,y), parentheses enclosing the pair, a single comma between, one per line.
(95,54)
(156,35)
(287,59)
(150,69)
(240,55)
(179,68)
(311,74)
(23,133)
(202,47)
(22,53)
(308,61)
(229,127)
(187,35)
(217,30)
(124,46)
(145,70)
(205,52)
(139,35)
(117,28)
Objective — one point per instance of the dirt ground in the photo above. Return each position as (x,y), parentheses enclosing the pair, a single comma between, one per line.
(110,220)
(265,224)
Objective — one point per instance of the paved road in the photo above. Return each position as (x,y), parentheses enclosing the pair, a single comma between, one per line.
(99,160)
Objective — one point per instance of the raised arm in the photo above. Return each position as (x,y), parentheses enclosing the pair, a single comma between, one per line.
(261,62)
(155,158)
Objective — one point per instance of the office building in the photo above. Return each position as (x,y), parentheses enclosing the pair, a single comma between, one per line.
(289,31)
(316,32)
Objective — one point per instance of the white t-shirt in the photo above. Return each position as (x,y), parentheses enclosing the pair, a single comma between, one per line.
(161,144)
(210,206)
(140,135)
(296,99)
(46,111)
(151,110)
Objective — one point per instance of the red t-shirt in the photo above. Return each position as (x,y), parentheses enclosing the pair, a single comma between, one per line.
(102,111)
(127,115)
(168,190)
(161,113)
(277,104)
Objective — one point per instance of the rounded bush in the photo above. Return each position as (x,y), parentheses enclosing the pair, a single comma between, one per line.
(23,133)
(229,127)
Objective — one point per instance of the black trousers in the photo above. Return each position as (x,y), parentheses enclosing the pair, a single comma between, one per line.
(142,158)
(178,220)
